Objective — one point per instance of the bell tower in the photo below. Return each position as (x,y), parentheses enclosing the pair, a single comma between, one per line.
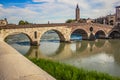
(77,13)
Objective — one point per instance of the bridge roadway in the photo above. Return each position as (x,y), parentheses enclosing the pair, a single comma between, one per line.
(14,66)
(64,30)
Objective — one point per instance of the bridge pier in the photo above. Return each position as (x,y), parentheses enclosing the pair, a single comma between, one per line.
(65,41)
(91,36)
(35,43)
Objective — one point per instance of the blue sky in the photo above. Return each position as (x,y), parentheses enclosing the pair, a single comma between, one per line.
(55,11)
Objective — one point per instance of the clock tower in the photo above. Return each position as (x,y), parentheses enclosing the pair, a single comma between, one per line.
(77,13)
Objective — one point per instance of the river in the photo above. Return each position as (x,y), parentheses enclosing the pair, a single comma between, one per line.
(99,55)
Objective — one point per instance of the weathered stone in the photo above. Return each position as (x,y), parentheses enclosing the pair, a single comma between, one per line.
(35,31)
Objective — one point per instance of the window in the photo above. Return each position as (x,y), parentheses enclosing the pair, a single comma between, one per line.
(118,19)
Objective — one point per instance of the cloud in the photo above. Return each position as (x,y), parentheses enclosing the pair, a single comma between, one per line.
(82,3)
(14,14)
(57,10)
(43,0)
(36,13)
(52,11)
(108,7)
(1,5)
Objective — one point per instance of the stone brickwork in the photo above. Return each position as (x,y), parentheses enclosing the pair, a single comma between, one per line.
(35,31)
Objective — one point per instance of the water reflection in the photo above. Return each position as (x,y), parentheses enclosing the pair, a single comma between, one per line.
(43,50)
(78,47)
(33,52)
(115,44)
(21,47)
(91,44)
(99,43)
(100,55)
(65,51)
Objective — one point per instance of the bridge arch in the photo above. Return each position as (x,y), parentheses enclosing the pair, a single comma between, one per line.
(80,31)
(15,33)
(114,34)
(100,34)
(59,33)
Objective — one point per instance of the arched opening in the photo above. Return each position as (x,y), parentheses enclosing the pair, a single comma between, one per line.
(114,35)
(79,34)
(100,34)
(111,22)
(50,42)
(19,41)
(53,36)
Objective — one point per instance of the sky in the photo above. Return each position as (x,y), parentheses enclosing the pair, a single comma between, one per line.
(54,11)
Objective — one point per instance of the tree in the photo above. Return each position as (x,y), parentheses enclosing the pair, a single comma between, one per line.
(70,21)
(26,22)
(21,22)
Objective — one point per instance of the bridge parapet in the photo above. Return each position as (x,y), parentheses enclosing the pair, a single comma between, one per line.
(54,25)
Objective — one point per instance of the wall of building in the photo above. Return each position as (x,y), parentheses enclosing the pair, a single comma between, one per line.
(118,15)
(3,22)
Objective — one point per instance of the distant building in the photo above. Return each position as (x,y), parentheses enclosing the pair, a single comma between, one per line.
(118,15)
(77,13)
(89,20)
(3,22)
(78,19)
(101,20)
(110,19)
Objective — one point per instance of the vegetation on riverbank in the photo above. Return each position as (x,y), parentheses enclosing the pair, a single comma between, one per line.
(66,72)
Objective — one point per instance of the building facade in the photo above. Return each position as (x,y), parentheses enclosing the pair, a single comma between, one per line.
(110,19)
(3,22)
(113,19)
(118,15)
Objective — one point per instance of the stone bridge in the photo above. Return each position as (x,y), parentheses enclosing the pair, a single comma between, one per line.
(64,31)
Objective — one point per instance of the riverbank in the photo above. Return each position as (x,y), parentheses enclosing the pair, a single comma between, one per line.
(67,72)
(14,66)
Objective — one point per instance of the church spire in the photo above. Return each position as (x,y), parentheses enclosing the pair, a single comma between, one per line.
(77,13)
(77,6)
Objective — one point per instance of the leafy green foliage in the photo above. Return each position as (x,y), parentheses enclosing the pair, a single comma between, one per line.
(67,72)
(70,21)
(21,22)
